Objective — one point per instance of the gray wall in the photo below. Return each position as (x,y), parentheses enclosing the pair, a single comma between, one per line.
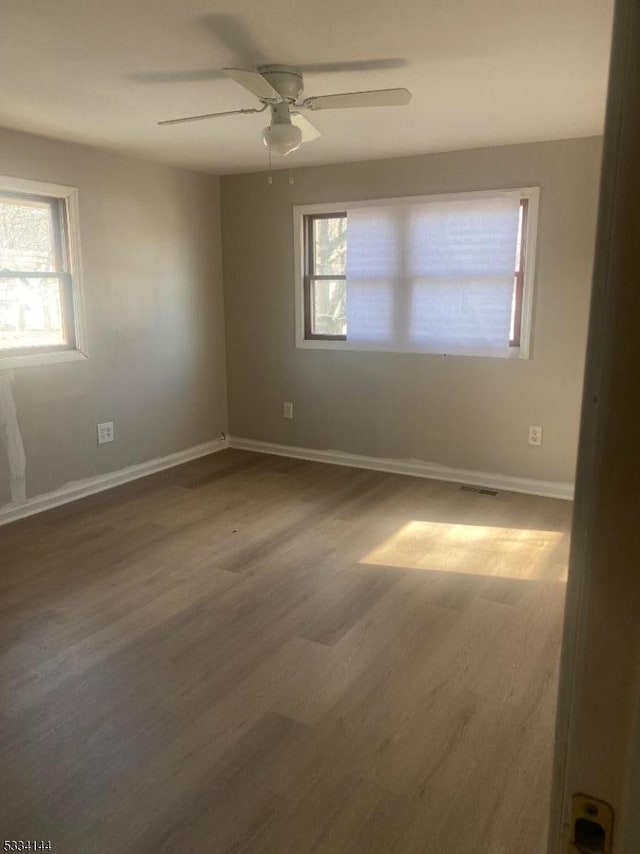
(457,411)
(150,238)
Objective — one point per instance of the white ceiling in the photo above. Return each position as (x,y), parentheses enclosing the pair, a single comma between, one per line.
(482,72)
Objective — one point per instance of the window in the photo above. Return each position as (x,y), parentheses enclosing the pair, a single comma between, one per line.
(325,281)
(448,274)
(40,318)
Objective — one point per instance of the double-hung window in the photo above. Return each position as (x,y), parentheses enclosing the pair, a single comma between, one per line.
(40,311)
(446,274)
(325,281)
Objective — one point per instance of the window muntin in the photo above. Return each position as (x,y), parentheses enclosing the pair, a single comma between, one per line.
(36,294)
(396,295)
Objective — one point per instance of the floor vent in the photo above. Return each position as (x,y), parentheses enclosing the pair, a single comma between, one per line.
(480,490)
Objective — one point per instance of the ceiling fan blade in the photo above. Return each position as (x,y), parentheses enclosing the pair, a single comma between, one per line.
(373,98)
(209,116)
(231,32)
(254,82)
(309,132)
(194,76)
(353,65)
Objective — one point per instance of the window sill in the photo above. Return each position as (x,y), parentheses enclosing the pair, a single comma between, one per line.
(33,360)
(350,346)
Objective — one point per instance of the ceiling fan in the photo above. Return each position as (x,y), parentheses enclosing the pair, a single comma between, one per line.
(278,88)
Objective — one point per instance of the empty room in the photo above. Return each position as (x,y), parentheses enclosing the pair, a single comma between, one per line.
(295,308)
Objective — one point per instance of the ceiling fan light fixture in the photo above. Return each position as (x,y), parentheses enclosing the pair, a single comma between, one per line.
(282,138)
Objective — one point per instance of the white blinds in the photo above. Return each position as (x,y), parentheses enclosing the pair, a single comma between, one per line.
(433,276)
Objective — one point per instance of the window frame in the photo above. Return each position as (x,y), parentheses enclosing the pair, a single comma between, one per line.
(63,201)
(524,278)
(518,284)
(310,276)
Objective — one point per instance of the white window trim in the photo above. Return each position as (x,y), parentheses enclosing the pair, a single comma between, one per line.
(532,194)
(70,195)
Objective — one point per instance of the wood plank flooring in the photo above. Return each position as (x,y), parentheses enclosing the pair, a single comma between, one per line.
(255,654)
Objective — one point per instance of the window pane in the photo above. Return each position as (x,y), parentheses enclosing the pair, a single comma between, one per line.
(514,303)
(370,317)
(26,235)
(519,258)
(330,246)
(460,314)
(329,307)
(30,313)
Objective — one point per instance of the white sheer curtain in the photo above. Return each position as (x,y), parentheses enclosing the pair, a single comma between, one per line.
(433,276)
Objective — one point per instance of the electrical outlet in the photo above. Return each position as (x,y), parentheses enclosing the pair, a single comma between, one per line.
(105,432)
(287,410)
(535,435)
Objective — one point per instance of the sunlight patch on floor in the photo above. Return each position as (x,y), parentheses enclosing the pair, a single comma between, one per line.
(518,553)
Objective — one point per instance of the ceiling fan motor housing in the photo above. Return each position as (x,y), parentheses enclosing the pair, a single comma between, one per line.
(285,79)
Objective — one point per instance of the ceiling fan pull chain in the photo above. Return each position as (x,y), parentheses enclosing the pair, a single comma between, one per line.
(291,168)
(270,178)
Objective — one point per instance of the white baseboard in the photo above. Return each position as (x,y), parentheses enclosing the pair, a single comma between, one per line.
(81,488)
(416,468)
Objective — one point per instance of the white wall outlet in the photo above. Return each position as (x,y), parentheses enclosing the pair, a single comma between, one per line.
(535,435)
(287,410)
(105,432)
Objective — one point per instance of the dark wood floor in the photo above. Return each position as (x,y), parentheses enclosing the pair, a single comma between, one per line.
(255,654)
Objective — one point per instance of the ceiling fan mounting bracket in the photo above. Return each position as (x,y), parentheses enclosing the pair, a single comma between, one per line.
(285,79)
